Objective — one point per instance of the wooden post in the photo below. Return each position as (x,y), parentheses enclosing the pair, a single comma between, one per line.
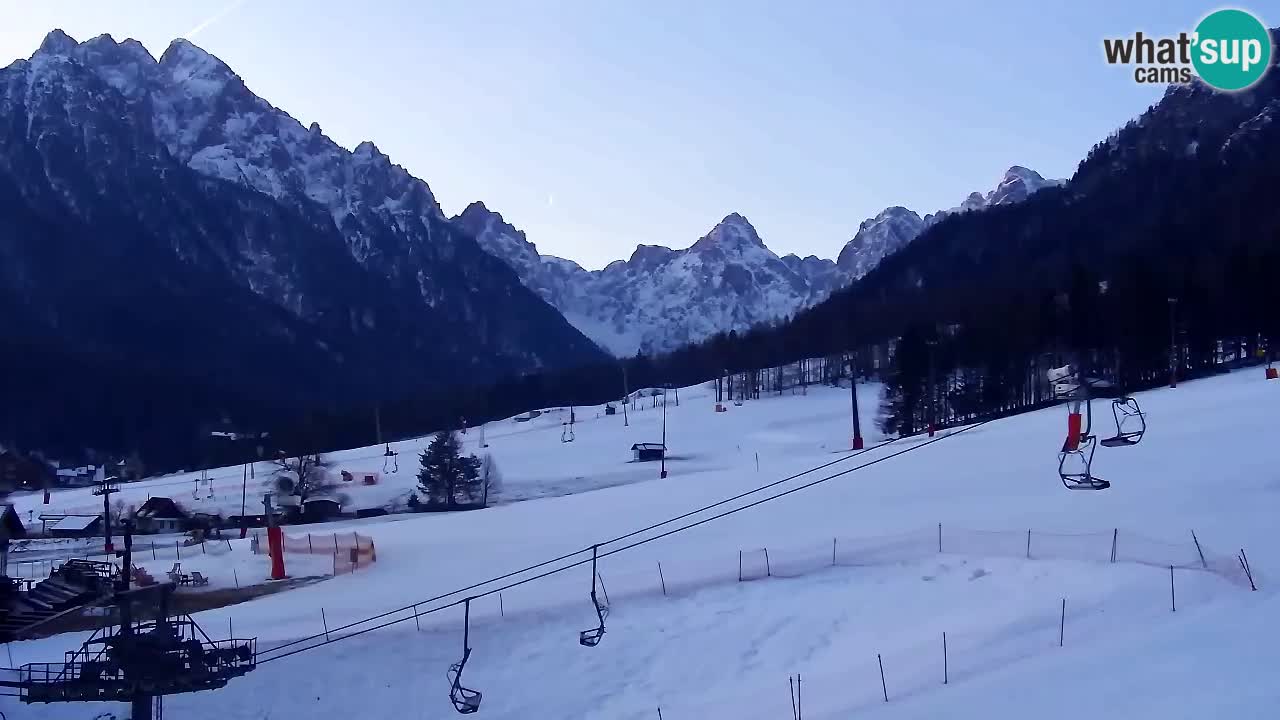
(884,688)
(1062,623)
(662,579)
(791,683)
(326,625)
(799,700)
(944,657)
(1195,539)
(1244,565)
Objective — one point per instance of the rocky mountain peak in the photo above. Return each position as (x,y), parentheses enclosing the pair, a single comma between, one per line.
(56,42)
(733,233)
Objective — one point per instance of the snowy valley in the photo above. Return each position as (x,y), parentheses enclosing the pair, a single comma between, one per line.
(842,567)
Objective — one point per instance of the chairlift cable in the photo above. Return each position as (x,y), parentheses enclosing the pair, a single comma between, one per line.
(566,556)
(624,548)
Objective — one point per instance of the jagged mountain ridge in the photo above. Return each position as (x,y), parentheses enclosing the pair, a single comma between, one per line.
(163,219)
(660,299)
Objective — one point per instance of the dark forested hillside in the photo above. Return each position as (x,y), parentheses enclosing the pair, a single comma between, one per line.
(152,282)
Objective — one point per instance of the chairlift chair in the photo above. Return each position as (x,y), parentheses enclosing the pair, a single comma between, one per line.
(592,637)
(392,458)
(1075,460)
(465,700)
(1131,423)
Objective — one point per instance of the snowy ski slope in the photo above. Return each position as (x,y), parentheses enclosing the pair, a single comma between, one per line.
(717,648)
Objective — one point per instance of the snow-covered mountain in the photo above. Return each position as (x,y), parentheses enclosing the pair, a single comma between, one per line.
(214,217)
(660,299)
(895,227)
(876,239)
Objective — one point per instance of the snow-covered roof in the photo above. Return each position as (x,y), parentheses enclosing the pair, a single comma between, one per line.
(75,522)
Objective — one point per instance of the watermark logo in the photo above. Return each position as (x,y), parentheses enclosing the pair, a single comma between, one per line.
(1229,50)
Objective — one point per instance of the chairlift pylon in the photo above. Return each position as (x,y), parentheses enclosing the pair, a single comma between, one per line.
(592,637)
(465,700)
(392,458)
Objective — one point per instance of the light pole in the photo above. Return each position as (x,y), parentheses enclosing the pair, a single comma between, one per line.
(663,472)
(933,392)
(1173,342)
(626,397)
(853,397)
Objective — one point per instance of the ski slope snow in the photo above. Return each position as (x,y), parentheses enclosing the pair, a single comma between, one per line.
(713,647)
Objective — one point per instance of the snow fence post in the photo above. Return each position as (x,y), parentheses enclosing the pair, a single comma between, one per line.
(1028,543)
(326,625)
(1244,565)
(202,548)
(1196,540)
(1173,598)
(944,657)
(791,684)
(662,580)
(884,688)
(502,610)
(177,549)
(939,542)
(153,551)
(418,623)
(768,570)
(833,552)
(310,549)
(236,577)
(1062,623)
(1115,535)
(739,566)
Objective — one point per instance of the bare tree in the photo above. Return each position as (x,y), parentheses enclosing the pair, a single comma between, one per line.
(303,476)
(490,478)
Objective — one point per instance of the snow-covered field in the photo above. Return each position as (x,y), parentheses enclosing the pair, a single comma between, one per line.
(717,648)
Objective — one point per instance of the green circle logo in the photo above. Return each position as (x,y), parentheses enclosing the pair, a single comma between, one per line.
(1232,49)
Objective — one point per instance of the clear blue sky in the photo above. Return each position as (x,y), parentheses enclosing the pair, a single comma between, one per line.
(599,124)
